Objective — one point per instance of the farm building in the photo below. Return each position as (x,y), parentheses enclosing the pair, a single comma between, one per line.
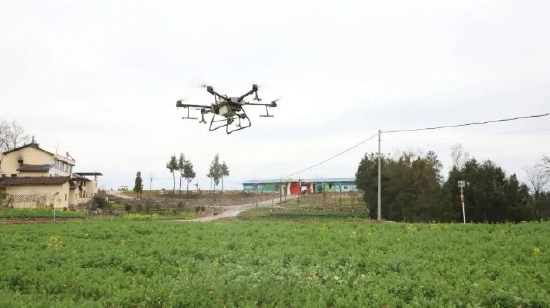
(295,186)
(32,176)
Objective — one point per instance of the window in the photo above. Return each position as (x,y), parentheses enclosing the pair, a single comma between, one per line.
(65,197)
(345,187)
(14,175)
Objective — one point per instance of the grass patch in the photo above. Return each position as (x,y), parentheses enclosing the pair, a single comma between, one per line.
(38,213)
(156,216)
(252,264)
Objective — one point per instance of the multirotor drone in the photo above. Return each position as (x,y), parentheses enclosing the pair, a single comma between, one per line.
(228,110)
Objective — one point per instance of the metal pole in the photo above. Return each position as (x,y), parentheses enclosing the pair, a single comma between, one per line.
(340,184)
(379,179)
(299,189)
(462,199)
(323,189)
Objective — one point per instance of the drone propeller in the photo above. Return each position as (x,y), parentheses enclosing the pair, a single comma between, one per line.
(274,102)
(179,103)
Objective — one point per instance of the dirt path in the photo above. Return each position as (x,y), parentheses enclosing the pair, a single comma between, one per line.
(233,211)
(119,194)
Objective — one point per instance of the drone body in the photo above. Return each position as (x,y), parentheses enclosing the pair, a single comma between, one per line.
(228,110)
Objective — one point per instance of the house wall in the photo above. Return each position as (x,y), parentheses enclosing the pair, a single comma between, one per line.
(31,196)
(73,196)
(264,187)
(335,186)
(33,174)
(29,155)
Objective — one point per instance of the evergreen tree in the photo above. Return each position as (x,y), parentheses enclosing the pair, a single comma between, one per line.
(138,187)
(181,166)
(188,174)
(172,166)
(224,171)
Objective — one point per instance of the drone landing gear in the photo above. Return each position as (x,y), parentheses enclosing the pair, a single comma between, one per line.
(188,116)
(267,115)
(229,121)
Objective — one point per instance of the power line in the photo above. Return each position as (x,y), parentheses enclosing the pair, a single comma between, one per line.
(473,135)
(414,130)
(467,124)
(324,161)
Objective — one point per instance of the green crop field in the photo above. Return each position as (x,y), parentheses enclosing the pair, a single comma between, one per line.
(289,264)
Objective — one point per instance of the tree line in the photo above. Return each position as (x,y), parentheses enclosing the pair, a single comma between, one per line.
(414,189)
(184,168)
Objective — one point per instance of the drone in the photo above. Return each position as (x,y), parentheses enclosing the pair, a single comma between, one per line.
(228,110)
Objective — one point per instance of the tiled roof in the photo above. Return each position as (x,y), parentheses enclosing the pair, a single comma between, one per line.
(36,168)
(33,181)
(34,145)
(88,173)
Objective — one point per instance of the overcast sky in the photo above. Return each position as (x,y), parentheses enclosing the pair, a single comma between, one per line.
(101,78)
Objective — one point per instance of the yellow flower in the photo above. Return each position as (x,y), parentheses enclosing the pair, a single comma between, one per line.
(216,262)
(370,233)
(536,251)
(353,234)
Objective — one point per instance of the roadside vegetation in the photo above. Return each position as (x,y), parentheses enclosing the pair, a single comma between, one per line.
(414,189)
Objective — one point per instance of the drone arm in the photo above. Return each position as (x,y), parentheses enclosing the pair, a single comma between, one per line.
(182,105)
(247,94)
(211,91)
(272,104)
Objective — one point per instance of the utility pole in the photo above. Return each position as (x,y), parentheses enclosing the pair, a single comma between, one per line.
(340,184)
(323,189)
(379,179)
(299,189)
(462,184)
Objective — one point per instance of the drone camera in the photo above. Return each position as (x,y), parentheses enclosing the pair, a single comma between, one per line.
(254,87)
(273,104)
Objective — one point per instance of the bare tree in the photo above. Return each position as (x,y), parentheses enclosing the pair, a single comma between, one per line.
(459,155)
(4,135)
(151,177)
(545,166)
(537,179)
(17,136)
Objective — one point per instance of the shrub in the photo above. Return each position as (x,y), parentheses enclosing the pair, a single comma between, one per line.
(100,202)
